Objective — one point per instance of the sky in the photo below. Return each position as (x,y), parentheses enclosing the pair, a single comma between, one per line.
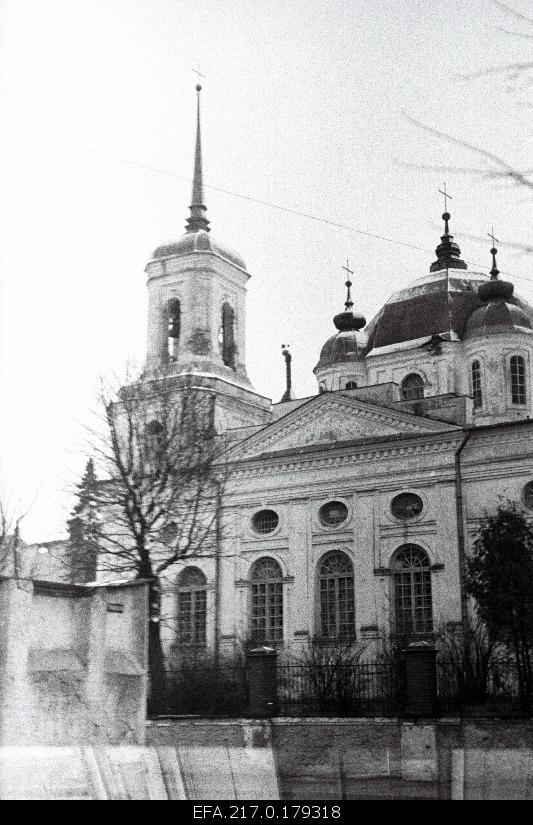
(307,106)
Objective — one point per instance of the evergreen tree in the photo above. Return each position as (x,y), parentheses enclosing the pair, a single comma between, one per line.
(500,578)
(84,528)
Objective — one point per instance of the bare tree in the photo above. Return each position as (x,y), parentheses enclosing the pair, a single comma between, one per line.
(14,562)
(488,165)
(161,500)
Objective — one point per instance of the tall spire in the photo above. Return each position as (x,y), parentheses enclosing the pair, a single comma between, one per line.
(197,219)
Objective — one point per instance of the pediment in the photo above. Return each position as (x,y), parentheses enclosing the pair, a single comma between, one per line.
(330,418)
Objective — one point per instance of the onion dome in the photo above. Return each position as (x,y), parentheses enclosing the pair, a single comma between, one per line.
(349,320)
(196,238)
(497,314)
(349,343)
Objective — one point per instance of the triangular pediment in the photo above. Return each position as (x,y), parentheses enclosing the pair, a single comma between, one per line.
(335,418)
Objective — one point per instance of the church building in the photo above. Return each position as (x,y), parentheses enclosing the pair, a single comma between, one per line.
(350,513)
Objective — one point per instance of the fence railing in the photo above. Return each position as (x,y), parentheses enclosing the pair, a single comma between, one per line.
(362,689)
(370,688)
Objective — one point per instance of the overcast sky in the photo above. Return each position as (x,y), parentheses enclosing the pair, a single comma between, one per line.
(305,106)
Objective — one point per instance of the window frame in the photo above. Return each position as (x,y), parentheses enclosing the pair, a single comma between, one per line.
(476,383)
(172,320)
(340,525)
(405,579)
(327,595)
(196,618)
(228,346)
(421,386)
(264,533)
(517,387)
(267,594)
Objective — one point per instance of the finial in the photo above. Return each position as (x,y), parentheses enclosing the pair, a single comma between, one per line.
(448,252)
(288,395)
(348,303)
(495,290)
(494,271)
(349,320)
(197,219)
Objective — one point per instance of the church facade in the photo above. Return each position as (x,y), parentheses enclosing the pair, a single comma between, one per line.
(348,514)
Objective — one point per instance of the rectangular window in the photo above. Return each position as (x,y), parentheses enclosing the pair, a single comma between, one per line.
(267,612)
(337,607)
(192,617)
(476,385)
(518,380)
(412,595)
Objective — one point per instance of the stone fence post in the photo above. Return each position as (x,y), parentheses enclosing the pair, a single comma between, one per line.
(420,680)
(261,670)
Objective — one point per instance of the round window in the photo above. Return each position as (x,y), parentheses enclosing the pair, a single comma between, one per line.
(406,506)
(333,513)
(527,495)
(265,521)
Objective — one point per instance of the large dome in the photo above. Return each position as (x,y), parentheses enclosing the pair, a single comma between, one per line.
(439,303)
(198,241)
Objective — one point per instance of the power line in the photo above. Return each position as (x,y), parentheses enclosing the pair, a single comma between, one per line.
(279,207)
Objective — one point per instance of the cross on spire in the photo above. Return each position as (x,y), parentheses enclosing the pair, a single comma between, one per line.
(347,268)
(198,72)
(349,303)
(494,271)
(446,196)
(491,235)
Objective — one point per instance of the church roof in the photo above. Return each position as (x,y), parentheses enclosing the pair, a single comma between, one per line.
(198,241)
(440,303)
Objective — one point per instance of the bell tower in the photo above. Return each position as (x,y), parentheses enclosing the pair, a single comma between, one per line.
(197,313)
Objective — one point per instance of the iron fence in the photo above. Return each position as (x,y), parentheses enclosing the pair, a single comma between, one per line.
(361,689)
(370,688)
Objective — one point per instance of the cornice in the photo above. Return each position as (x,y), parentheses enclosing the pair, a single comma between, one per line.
(343,456)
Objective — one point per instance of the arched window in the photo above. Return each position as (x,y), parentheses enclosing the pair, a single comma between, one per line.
(192,589)
(266,620)
(477,393)
(412,387)
(336,596)
(155,438)
(351,385)
(227,336)
(173,328)
(518,380)
(411,579)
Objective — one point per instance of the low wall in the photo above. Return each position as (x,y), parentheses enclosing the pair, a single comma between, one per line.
(304,759)
(371,758)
